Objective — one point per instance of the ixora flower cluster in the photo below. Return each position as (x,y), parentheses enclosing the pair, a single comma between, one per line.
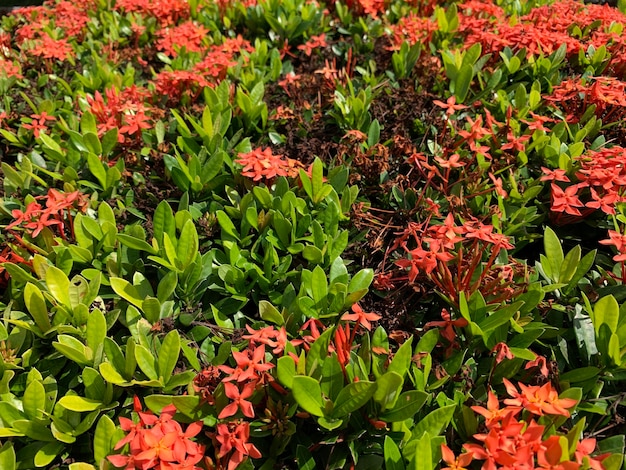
(242,234)
(511,442)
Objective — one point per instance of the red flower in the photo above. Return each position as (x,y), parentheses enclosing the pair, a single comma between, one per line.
(360,317)
(450,105)
(232,391)
(446,327)
(262,164)
(234,437)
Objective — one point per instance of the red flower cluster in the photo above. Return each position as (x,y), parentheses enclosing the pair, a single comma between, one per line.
(55,212)
(158,442)
(125,110)
(187,36)
(263,164)
(601,184)
(449,255)
(511,443)
(543,30)
(608,94)
(166,12)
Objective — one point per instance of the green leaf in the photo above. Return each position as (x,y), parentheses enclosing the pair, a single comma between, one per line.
(135,243)
(163,222)
(388,388)
(34,399)
(606,311)
(402,359)
(579,375)
(554,252)
(102,439)
(58,285)
(270,314)
(435,422)
(126,290)
(352,397)
(47,453)
(81,466)
(570,264)
(393,457)
(7,456)
(361,280)
(97,169)
(110,374)
(168,355)
(462,82)
(34,430)
(423,459)
(407,405)
(304,459)
(319,286)
(36,305)
(96,329)
(79,404)
(188,244)
(308,394)
(498,318)
(146,362)
(286,370)
(227,225)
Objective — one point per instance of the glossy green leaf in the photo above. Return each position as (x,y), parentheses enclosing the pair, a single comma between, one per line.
(163,222)
(308,394)
(407,405)
(79,404)
(388,388)
(34,399)
(402,358)
(554,252)
(126,290)
(270,314)
(7,456)
(96,329)
(36,305)
(146,362)
(102,439)
(168,355)
(58,285)
(47,453)
(352,397)
(286,370)
(188,244)
(435,422)
(393,457)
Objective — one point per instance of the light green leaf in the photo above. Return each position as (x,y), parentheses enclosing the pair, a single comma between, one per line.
(79,404)
(102,442)
(126,290)
(388,388)
(393,457)
(36,305)
(407,405)
(352,397)
(554,252)
(168,355)
(58,285)
(307,393)
(96,329)
(435,422)
(34,399)
(7,456)
(47,453)
(146,362)
(270,314)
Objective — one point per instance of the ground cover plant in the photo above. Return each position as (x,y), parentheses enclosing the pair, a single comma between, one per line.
(293,234)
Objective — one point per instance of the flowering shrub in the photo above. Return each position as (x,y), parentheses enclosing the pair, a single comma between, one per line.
(301,234)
